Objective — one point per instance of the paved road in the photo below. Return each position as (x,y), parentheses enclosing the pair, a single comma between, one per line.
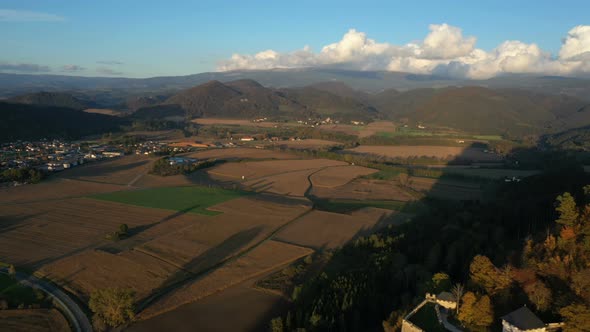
(73,312)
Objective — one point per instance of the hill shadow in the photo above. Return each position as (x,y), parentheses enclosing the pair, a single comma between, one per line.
(444,236)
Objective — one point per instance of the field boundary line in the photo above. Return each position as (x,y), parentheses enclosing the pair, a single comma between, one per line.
(228,285)
(195,276)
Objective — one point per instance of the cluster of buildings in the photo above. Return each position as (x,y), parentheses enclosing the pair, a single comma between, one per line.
(55,155)
(152,147)
(318,122)
(519,320)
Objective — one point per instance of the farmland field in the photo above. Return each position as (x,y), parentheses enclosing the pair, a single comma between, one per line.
(245,222)
(364,189)
(64,227)
(294,183)
(190,240)
(320,229)
(338,175)
(89,270)
(249,308)
(259,169)
(489,173)
(264,258)
(123,170)
(442,152)
(187,199)
(55,189)
(33,320)
(240,153)
(306,144)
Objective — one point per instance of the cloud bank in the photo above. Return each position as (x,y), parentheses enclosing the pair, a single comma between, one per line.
(444,51)
(11,15)
(23,68)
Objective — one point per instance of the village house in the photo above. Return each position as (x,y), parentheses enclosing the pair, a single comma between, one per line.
(522,320)
(446,300)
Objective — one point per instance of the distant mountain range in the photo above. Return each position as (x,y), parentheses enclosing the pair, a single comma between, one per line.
(113,89)
(474,109)
(470,109)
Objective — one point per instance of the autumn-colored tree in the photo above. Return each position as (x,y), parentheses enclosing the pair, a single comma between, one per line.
(476,312)
(483,312)
(488,276)
(567,209)
(528,252)
(440,282)
(584,221)
(539,294)
(576,318)
(581,284)
(114,306)
(550,243)
(276,325)
(466,314)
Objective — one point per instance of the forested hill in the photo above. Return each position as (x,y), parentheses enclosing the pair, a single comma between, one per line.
(53,99)
(574,139)
(515,249)
(477,110)
(25,122)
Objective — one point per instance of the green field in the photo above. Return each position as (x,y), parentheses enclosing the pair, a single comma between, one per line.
(186,199)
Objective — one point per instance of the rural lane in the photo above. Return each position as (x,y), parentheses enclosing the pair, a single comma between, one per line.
(74,313)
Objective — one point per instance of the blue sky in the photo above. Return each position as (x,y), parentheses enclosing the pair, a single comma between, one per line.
(154,38)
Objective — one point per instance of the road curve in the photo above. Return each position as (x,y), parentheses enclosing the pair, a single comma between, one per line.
(73,312)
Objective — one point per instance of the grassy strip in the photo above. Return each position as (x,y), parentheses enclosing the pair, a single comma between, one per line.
(194,199)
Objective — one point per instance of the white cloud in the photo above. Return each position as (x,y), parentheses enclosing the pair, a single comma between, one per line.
(444,51)
(11,15)
(576,45)
(446,42)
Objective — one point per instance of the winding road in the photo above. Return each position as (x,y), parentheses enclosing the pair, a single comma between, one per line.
(70,308)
